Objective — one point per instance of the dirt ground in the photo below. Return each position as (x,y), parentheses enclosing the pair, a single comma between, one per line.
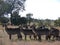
(4,40)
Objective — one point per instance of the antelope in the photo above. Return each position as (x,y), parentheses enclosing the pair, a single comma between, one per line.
(12,31)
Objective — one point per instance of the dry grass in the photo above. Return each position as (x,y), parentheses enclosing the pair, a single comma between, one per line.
(1,28)
(57,28)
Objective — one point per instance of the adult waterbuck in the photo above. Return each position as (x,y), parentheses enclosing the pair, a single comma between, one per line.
(54,32)
(11,31)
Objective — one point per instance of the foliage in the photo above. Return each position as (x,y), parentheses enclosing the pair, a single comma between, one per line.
(4,7)
(47,22)
(40,23)
(10,6)
(29,17)
(57,22)
(23,20)
(17,20)
(4,20)
(16,5)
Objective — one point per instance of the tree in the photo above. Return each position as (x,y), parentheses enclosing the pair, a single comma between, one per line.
(15,19)
(57,22)
(40,22)
(29,17)
(4,7)
(16,5)
(23,20)
(47,22)
(4,20)
(11,6)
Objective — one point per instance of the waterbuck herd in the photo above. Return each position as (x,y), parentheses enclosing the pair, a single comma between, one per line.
(33,31)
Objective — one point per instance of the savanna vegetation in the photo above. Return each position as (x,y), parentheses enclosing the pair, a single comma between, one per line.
(10,7)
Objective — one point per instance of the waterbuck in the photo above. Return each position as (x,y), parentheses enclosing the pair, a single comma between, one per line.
(11,31)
